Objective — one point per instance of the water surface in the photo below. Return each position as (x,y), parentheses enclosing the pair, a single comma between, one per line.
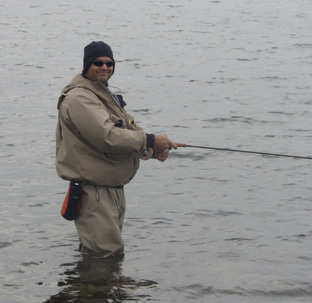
(204,226)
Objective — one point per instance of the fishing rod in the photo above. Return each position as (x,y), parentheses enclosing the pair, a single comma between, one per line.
(243,151)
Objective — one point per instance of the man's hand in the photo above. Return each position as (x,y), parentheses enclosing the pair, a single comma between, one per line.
(163,143)
(162,156)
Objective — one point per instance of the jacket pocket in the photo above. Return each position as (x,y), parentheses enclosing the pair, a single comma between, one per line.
(118,122)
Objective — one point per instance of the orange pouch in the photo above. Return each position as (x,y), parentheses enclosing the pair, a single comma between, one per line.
(72,202)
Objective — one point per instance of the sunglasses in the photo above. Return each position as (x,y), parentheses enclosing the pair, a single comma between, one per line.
(99,63)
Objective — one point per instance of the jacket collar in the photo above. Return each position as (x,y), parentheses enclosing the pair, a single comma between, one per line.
(97,87)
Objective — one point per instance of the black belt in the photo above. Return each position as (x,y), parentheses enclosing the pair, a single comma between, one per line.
(118,187)
(87,183)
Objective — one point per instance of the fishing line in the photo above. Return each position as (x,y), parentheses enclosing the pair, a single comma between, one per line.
(243,151)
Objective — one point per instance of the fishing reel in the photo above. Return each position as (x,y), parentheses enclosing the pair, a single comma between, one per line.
(147,154)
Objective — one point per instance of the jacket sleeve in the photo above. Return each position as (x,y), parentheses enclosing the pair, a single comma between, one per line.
(104,131)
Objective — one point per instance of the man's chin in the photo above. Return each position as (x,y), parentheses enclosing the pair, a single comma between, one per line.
(103,79)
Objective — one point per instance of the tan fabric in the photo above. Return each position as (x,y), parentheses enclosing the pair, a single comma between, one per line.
(96,140)
(100,220)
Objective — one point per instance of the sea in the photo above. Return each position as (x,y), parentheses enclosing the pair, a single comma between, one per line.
(206,225)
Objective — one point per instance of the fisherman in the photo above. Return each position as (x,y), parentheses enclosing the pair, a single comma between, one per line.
(99,146)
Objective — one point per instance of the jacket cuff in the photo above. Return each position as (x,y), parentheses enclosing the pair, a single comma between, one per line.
(150,139)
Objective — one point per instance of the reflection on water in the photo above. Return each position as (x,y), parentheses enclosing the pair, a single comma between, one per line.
(93,280)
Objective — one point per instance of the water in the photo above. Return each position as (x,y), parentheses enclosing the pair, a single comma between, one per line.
(205,226)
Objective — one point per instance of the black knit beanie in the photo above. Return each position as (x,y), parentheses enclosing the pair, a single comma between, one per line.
(95,50)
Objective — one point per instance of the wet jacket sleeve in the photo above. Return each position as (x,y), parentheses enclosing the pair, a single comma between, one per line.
(105,131)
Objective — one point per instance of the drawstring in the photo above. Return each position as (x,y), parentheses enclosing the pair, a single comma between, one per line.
(97,194)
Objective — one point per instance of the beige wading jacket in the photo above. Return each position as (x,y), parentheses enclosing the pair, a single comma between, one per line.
(96,140)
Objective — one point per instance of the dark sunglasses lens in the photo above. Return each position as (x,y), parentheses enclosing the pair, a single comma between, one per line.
(101,63)
(98,63)
(109,64)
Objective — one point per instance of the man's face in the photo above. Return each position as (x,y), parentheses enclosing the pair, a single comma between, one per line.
(100,73)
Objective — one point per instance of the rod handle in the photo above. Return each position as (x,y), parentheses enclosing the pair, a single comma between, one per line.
(181,145)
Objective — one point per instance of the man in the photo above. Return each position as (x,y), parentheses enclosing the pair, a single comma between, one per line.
(99,145)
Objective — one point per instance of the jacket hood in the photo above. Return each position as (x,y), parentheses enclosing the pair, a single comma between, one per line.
(79,81)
